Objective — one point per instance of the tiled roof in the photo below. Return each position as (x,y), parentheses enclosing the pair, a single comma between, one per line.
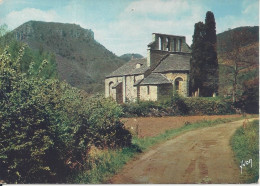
(138,82)
(174,62)
(130,68)
(155,79)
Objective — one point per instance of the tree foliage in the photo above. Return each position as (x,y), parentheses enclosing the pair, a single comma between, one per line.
(204,62)
(197,60)
(239,58)
(46,126)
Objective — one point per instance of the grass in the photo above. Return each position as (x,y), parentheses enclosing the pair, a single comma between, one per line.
(245,144)
(103,164)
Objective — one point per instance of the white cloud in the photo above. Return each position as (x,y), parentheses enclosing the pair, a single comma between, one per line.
(248,17)
(16,18)
(250,6)
(140,19)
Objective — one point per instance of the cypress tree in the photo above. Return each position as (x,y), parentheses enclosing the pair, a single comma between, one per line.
(197,59)
(204,62)
(211,60)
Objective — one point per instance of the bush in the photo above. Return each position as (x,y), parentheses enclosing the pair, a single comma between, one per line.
(249,100)
(245,143)
(177,106)
(140,108)
(209,106)
(48,127)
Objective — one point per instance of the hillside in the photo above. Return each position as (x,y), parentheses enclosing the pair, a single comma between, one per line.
(243,44)
(81,61)
(128,57)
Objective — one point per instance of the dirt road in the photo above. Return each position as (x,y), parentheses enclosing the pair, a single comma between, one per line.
(203,155)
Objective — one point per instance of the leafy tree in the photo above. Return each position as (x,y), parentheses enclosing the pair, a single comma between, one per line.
(238,58)
(249,100)
(47,127)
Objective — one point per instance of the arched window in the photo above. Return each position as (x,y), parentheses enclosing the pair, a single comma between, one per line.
(111,84)
(177,83)
(167,48)
(160,43)
(180,43)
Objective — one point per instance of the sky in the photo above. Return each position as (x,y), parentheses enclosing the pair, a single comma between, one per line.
(126,26)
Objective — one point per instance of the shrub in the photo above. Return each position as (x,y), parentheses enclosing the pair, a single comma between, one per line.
(178,105)
(245,143)
(249,100)
(47,127)
(209,106)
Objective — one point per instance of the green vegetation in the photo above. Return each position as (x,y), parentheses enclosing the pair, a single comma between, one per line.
(224,42)
(204,63)
(47,126)
(82,61)
(128,57)
(103,164)
(238,54)
(245,144)
(180,106)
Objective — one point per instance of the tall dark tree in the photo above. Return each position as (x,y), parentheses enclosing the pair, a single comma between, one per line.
(204,62)
(211,61)
(197,60)
(210,28)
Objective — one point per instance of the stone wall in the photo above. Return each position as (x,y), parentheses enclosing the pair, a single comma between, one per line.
(130,90)
(111,81)
(154,57)
(183,86)
(148,92)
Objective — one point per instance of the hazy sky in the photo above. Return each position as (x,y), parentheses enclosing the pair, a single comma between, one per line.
(125,26)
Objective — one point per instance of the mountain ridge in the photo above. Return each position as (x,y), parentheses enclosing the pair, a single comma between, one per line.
(81,60)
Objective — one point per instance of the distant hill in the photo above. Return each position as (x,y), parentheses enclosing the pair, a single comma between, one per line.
(128,57)
(224,42)
(81,61)
(247,39)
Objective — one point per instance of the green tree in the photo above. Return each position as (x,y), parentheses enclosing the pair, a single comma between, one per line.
(47,127)
(197,59)
(204,62)
(238,58)
(211,61)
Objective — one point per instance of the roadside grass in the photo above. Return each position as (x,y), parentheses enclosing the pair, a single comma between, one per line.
(245,144)
(106,163)
(103,165)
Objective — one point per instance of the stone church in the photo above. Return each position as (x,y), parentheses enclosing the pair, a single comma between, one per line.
(162,74)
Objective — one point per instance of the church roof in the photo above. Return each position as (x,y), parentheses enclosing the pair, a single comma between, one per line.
(130,68)
(155,79)
(174,62)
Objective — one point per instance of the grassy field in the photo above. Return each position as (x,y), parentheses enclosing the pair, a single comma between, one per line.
(103,164)
(245,144)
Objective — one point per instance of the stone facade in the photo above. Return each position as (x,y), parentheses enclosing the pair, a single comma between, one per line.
(164,72)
